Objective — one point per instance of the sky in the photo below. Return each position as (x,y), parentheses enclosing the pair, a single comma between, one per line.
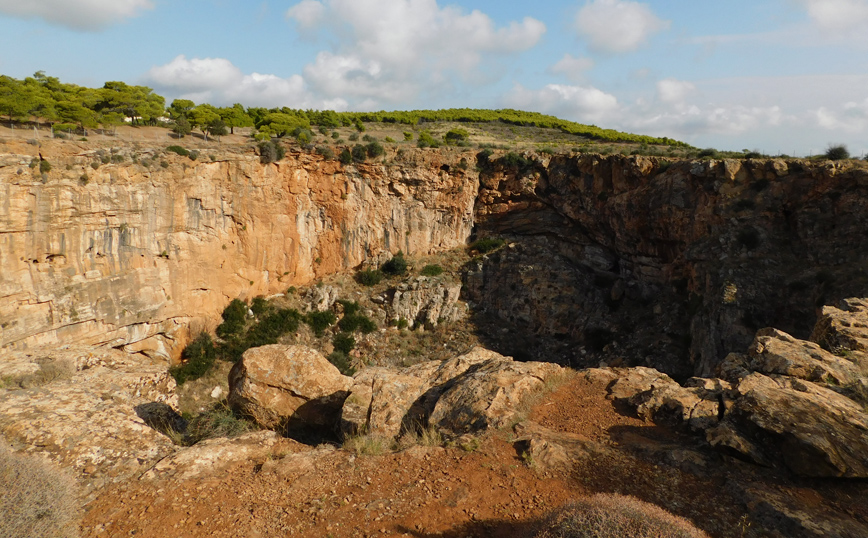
(777,76)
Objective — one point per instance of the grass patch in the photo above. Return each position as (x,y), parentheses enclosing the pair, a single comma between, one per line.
(489,244)
(431,270)
(367,445)
(616,516)
(39,499)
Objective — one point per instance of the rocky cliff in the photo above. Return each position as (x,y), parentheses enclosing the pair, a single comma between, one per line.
(638,261)
(632,260)
(131,253)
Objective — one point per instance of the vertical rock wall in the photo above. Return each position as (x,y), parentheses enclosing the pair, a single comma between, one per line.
(134,255)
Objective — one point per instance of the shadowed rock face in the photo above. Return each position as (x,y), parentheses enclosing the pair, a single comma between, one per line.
(669,266)
(135,255)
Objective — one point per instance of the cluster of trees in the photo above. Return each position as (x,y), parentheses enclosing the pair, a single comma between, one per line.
(47,98)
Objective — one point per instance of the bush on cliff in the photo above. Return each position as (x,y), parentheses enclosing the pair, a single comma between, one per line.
(616,516)
(369,277)
(197,358)
(234,316)
(270,151)
(397,266)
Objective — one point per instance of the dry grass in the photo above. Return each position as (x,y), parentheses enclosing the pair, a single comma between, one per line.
(39,499)
(367,445)
(616,516)
(550,385)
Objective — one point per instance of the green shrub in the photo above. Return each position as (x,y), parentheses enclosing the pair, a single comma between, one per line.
(368,138)
(344,343)
(39,500)
(709,153)
(336,135)
(44,166)
(408,136)
(427,141)
(455,136)
(375,149)
(345,157)
(837,152)
(487,244)
(234,316)
(198,357)
(179,150)
(326,152)
(259,305)
(354,322)
(360,153)
(340,361)
(396,266)
(271,327)
(354,137)
(389,140)
(369,277)
(271,151)
(431,270)
(320,321)
(616,516)
(350,307)
(514,160)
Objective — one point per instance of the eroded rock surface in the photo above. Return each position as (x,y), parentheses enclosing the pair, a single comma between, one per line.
(785,400)
(277,385)
(88,418)
(427,302)
(475,391)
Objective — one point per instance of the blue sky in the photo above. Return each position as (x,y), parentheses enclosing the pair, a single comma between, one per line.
(780,76)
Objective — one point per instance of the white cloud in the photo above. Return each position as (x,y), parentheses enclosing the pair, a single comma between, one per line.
(219,82)
(671,90)
(584,104)
(837,15)
(390,51)
(616,26)
(89,15)
(307,13)
(572,68)
(852,117)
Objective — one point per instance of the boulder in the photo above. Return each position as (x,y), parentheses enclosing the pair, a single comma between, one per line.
(474,391)
(489,394)
(817,431)
(281,386)
(844,329)
(776,352)
(379,402)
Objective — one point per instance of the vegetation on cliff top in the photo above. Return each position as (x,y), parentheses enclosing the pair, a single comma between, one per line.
(69,107)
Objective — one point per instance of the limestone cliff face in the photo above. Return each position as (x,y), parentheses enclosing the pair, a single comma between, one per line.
(134,255)
(632,259)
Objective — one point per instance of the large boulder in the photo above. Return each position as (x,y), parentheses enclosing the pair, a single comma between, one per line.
(286,386)
(474,391)
(816,431)
(776,352)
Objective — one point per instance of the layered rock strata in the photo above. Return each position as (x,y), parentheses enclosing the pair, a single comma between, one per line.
(136,254)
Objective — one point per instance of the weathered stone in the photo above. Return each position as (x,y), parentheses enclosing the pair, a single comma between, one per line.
(280,385)
(89,421)
(489,395)
(319,298)
(818,432)
(844,330)
(427,301)
(215,456)
(776,352)
(547,449)
(379,402)
(633,381)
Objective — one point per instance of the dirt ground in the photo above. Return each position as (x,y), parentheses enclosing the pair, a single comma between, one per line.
(485,489)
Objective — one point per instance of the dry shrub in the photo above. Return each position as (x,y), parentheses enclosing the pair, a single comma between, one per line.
(39,499)
(616,516)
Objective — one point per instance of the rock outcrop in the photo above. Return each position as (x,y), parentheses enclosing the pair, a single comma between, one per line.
(88,414)
(475,391)
(426,301)
(136,254)
(287,386)
(785,400)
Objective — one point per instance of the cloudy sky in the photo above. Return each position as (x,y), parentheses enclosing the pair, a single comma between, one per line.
(780,76)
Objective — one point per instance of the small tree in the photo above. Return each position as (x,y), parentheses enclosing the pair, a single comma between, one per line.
(270,151)
(456,136)
(837,152)
(181,127)
(360,153)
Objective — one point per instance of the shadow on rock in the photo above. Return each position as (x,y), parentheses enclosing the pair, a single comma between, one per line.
(162,418)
